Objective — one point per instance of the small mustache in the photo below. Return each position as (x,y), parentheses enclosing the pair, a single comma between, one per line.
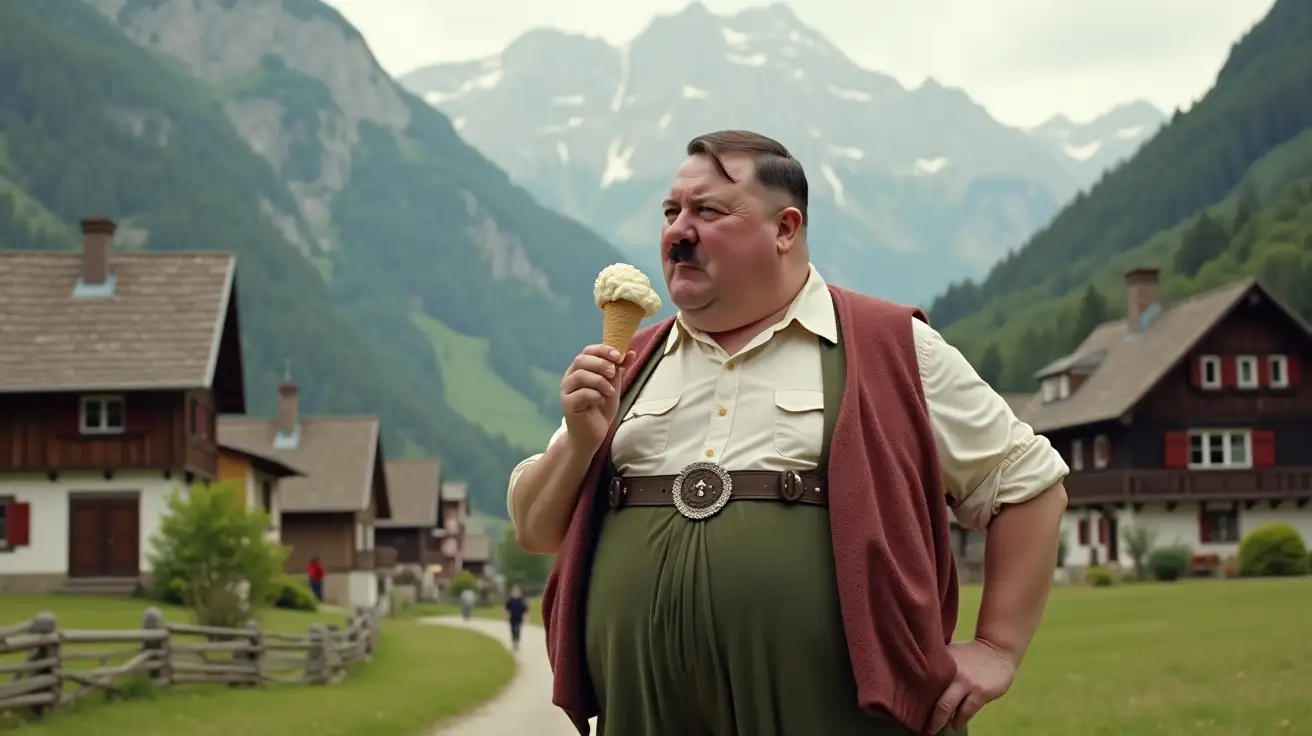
(684,251)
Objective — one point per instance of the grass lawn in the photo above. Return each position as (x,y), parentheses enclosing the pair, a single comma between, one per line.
(1225,658)
(1213,657)
(420,675)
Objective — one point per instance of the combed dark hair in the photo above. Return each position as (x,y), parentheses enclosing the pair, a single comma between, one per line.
(776,169)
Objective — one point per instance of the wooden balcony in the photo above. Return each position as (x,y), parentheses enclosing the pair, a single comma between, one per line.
(1164,486)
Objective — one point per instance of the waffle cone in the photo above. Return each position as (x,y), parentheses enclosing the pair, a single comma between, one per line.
(619,321)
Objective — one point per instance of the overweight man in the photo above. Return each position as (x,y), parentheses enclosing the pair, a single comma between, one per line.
(751,507)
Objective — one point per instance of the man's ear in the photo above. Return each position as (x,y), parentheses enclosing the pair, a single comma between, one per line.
(788,229)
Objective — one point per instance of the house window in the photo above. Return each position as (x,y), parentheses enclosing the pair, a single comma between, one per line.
(1210,371)
(1217,526)
(4,523)
(1064,387)
(1101,451)
(199,420)
(15,524)
(1049,390)
(1077,454)
(1082,532)
(1277,371)
(266,496)
(1220,448)
(102,414)
(1246,368)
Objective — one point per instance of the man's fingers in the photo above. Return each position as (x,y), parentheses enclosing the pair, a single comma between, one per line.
(592,364)
(579,380)
(947,706)
(579,401)
(605,352)
(966,711)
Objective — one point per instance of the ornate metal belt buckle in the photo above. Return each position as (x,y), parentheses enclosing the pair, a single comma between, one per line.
(701,489)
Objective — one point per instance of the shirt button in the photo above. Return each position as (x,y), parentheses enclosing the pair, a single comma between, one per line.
(723,411)
(710,453)
(731,365)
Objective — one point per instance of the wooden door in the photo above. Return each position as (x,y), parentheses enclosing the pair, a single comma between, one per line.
(104,536)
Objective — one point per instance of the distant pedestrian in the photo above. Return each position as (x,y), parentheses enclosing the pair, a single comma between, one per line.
(467,600)
(516,610)
(315,574)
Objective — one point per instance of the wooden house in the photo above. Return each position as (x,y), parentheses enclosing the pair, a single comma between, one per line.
(113,367)
(1191,419)
(413,485)
(330,512)
(259,476)
(453,518)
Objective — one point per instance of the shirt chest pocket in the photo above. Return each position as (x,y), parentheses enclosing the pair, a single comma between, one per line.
(799,423)
(646,427)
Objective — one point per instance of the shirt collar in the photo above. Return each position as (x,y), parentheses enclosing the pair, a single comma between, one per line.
(813,309)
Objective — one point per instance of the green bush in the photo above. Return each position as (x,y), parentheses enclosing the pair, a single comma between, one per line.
(211,554)
(1098,577)
(294,595)
(1169,563)
(464,580)
(1273,550)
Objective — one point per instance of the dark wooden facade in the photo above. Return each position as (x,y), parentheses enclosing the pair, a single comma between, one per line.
(1137,465)
(170,431)
(411,544)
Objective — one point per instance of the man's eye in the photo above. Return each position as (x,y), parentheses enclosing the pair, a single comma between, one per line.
(706,210)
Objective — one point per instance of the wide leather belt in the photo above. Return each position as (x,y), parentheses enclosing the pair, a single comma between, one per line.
(701,489)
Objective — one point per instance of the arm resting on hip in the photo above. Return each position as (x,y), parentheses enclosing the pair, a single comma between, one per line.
(544,496)
(1019,556)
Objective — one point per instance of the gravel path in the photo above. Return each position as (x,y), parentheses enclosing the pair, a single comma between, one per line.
(525,706)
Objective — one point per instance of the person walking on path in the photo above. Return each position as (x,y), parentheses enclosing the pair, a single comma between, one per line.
(516,610)
(780,434)
(467,600)
(314,572)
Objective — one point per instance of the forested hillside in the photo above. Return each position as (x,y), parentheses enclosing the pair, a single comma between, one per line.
(1239,148)
(91,122)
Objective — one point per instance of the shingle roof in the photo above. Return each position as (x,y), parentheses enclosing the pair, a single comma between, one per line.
(1131,367)
(455,491)
(478,547)
(159,330)
(413,486)
(338,454)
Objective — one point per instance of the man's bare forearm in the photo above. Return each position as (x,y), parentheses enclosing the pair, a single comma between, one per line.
(545,495)
(1019,557)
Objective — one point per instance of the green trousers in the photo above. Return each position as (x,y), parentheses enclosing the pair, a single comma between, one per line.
(723,627)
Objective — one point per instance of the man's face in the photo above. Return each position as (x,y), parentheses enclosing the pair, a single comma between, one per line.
(723,243)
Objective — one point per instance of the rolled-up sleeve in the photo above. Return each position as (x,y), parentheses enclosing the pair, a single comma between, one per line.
(521,467)
(988,456)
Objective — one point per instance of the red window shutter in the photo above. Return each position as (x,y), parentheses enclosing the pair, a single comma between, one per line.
(1102,530)
(1264,448)
(1196,372)
(1082,531)
(1204,527)
(18,524)
(1177,450)
(1229,371)
(1263,371)
(1291,369)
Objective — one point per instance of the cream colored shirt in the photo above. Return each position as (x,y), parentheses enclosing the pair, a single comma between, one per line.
(763,409)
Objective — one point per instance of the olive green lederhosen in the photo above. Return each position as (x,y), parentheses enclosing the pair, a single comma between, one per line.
(728,626)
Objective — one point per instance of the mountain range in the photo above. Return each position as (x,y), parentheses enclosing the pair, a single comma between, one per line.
(398,269)
(910,188)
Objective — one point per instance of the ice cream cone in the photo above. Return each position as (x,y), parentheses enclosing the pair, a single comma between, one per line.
(619,321)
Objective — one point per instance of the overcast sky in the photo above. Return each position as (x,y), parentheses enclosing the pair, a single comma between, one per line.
(1025,60)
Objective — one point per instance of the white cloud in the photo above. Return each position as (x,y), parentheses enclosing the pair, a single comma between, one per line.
(1022,59)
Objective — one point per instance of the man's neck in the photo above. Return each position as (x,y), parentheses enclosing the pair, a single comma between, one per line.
(734,340)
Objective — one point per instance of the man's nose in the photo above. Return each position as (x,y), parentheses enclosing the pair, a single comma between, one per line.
(682,228)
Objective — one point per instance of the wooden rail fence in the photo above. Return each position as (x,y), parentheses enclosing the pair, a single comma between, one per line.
(58,670)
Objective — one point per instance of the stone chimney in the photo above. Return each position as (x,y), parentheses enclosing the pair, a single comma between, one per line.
(1143,288)
(97,239)
(289,408)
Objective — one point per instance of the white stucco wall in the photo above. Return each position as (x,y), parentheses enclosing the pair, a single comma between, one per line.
(1177,526)
(48,552)
(362,588)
